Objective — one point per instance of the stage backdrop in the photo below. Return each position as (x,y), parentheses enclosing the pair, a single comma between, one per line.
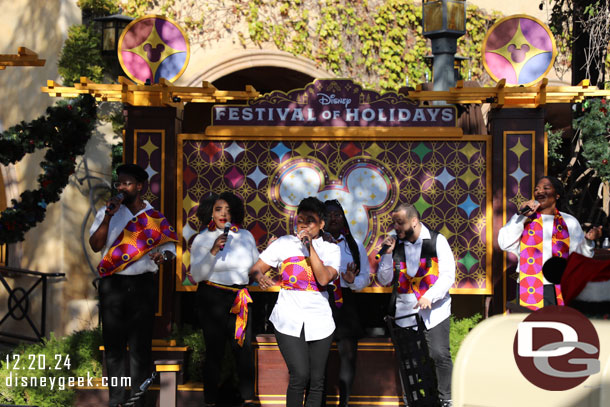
(315,141)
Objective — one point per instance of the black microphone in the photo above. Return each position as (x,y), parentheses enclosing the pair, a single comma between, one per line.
(383,250)
(225,232)
(526,209)
(305,241)
(112,205)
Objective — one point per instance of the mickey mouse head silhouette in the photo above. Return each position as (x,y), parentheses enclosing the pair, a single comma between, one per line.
(154,54)
(518,54)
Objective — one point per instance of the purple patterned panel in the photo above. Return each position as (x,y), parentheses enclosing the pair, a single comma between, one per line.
(519,185)
(148,150)
(445,180)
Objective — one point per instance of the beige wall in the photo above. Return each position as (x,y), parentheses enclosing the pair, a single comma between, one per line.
(55,244)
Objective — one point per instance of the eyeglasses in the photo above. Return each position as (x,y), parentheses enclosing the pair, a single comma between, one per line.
(116,185)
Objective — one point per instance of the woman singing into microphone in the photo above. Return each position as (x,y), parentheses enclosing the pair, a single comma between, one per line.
(538,232)
(302,317)
(221,257)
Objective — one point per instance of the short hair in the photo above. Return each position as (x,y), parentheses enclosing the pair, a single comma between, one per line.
(134,170)
(206,206)
(559,190)
(313,204)
(409,209)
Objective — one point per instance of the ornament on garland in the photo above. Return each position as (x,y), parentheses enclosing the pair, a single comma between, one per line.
(65,131)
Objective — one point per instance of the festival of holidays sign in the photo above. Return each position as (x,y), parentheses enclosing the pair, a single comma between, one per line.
(334,103)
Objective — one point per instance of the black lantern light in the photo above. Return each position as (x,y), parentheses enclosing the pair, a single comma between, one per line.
(444,22)
(112,27)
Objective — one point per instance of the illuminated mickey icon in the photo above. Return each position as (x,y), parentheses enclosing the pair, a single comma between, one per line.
(153,47)
(362,187)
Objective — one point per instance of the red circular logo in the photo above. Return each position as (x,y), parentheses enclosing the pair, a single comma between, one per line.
(556,348)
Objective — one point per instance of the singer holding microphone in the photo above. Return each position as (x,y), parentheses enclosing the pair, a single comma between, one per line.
(302,316)
(353,276)
(425,271)
(538,232)
(221,256)
(134,239)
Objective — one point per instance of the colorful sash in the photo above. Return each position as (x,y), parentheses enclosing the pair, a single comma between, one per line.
(420,283)
(335,286)
(142,234)
(531,282)
(297,274)
(239,308)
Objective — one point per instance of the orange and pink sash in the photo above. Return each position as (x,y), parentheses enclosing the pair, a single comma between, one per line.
(297,274)
(239,308)
(531,282)
(142,234)
(421,282)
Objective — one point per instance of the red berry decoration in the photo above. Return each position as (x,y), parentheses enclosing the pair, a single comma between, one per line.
(604,161)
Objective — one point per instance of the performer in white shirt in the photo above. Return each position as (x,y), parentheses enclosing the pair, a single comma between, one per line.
(427,272)
(538,232)
(354,275)
(221,256)
(302,317)
(134,239)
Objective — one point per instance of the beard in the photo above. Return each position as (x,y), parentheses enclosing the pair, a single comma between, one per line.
(129,198)
(408,233)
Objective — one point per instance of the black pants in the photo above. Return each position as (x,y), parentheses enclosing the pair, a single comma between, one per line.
(438,345)
(218,325)
(348,352)
(306,362)
(127,310)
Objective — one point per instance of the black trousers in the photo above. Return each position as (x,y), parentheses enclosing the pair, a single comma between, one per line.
(218,326)
(438,345)
(127,311)
(306,362)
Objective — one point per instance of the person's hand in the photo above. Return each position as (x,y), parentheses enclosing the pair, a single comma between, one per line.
(390,241)
(594,233)
(264,281)
(272,239)
(350,274)
(532,205)
(423,303)
(157,257)
(113,205)
(218,244)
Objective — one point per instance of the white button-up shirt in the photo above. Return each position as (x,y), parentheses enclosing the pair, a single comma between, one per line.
(117,223)
(363,278)
(230,265)
(296,310)
(438,294)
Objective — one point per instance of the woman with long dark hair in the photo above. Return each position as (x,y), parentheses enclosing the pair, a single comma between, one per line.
(538,232)
(220,263)
(302,317)
(353,276)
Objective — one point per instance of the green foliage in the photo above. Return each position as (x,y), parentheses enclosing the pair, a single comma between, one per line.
(555,139)
(98,7)
(594,129)
(81,56)
(76,355)
(458,331)
(380,45)
(186,335)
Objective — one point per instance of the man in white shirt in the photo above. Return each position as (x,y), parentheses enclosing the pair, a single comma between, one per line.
(134,239)
(427,272)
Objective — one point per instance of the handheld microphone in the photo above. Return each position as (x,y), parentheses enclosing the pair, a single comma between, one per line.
(526,209)
(225,232)
(118,196)
(305,241)
(384,248)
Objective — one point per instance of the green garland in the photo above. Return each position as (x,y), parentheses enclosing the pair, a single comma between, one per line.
(64,130)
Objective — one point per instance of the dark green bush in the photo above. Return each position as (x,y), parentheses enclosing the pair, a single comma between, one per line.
(458,331)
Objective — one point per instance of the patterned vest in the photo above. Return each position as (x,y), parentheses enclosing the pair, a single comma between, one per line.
(426,274)
(297,274)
